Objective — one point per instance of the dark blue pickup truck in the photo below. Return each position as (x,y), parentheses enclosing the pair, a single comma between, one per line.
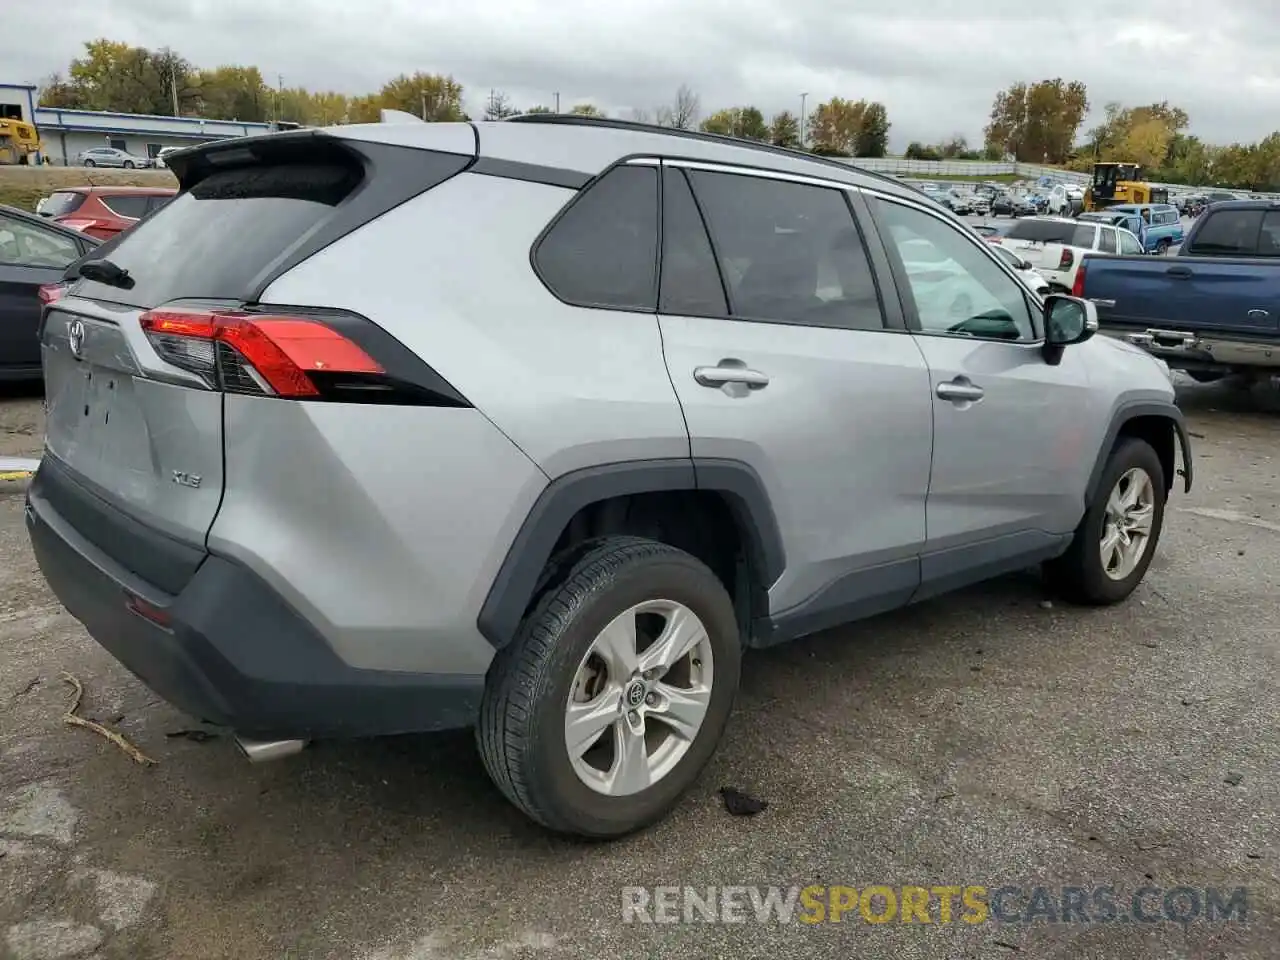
(1213,308)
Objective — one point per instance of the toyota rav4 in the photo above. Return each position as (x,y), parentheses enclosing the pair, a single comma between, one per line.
(534,426)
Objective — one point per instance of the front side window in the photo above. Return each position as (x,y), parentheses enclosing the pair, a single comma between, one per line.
(789,252)
(603,249)
(23,245)
(957,288)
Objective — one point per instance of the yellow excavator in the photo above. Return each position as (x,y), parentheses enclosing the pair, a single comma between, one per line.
(1116,183)
(19,141)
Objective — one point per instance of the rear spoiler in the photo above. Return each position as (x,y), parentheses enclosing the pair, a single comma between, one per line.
(193,164)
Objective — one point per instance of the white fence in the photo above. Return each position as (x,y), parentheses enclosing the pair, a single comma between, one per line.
(965,168)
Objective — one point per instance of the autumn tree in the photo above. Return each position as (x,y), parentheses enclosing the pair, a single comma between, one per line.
(539,109)
(746,123)
(234,93)
(586,110)
(431,96)
(1037,122)
(683,113)
(784,131)
(834,126)
(873,133)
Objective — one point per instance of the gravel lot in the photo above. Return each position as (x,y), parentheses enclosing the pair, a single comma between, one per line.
(986,738)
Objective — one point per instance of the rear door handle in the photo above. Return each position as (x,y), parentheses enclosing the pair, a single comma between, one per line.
(1180,272)
(1258,314)
(729,372)
(960,390)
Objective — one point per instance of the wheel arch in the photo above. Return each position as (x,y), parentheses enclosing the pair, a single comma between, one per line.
(560,512)
(1159,423)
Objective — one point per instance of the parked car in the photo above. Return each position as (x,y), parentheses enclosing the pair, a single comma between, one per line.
(1012,205)
(1164,224)
(1211,309)
(572,552)
(102,212)
(164,154)
(1056,245)
(979,204)
(34,254)
(1065,200)
(111,157)
(957,202)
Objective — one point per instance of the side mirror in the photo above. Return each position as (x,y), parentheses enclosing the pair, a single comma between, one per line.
(1067,321)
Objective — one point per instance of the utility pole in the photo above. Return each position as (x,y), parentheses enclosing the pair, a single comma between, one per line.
(803,98)
(557,96)
(279,98)
(173,88)
(424,104)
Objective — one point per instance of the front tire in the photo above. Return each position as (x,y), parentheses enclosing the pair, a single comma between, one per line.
(1116,540)
(614,692)
(128,164)
(1162,248)
(90,163)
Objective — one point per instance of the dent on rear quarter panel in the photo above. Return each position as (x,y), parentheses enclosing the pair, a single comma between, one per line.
(382,525)
(448,274)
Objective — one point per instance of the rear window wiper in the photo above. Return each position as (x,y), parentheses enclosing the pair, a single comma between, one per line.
(104,271)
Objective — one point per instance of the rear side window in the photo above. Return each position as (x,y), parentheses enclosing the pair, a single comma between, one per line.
(1228,233)
(133,207)
(1269,238)
(61,203)
(789,252)
(602,251)
(691,282)
(1054,231)
(1107,240)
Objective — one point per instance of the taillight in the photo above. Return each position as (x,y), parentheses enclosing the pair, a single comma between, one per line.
(1066,260)
(80,225)
(51,292)
(1077,286)
(252,353)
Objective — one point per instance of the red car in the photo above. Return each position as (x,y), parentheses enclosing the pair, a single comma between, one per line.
(102,212)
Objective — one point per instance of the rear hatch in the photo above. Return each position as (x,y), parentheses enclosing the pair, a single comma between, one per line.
(138,357)
(1042,242)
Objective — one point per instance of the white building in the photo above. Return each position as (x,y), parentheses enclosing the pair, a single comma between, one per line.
(65,133)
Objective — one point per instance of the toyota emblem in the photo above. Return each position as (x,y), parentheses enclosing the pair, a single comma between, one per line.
(75,337)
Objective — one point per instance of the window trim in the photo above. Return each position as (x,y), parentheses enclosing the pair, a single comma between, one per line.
(635,160)
(844,190)
(903,283)
(76,246)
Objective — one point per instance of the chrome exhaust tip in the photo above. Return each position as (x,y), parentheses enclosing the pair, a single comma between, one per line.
(262,751)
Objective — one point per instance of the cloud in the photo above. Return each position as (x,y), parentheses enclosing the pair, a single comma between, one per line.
(936,64)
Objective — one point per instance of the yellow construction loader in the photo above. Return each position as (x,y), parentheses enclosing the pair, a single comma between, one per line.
(19,141)
(1115,183)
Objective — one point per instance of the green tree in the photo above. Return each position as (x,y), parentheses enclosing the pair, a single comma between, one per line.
(586,110)
(746,123)
(57,92)
(539,109)
(873,133)
(234,93)
(785,130)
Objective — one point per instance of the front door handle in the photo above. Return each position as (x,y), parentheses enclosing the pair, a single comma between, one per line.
(1182,273)
(960,390)
(728,372)
(1257,314)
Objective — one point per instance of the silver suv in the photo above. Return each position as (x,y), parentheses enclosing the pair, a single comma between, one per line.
(534,426)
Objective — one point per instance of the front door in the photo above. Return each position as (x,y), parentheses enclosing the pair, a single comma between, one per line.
(1010,457)
(30,256)
(777,344)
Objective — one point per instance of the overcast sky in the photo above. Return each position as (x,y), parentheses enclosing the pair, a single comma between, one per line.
(935,64)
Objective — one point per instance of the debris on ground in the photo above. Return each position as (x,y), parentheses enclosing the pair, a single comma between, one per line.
(740,804)
(70,717)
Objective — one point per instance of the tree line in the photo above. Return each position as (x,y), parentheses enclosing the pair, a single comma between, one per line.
(121,78)
(1035,122)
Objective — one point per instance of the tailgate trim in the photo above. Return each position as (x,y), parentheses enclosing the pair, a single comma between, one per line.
(156,558)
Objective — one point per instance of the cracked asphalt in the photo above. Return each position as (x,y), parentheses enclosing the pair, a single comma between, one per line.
(988,738)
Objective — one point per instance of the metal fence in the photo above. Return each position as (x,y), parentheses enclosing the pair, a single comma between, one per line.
(965,168)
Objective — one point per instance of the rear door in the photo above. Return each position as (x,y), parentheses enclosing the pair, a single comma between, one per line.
(786,359)
(30,256)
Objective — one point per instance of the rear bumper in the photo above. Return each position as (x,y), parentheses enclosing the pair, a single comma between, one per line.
(232,652)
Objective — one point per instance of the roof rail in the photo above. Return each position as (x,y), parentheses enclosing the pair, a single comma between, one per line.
(580,120)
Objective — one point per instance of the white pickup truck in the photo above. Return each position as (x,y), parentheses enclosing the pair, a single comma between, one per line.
(1056,245)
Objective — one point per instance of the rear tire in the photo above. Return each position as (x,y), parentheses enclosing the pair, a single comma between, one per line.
(1162,248)
(1081,574)
(128,164)
(90,163)
(537,681)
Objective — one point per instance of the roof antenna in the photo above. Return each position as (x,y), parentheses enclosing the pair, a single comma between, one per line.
(399,116)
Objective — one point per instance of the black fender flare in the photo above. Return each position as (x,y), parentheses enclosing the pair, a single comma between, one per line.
(518,576)
(1131,410)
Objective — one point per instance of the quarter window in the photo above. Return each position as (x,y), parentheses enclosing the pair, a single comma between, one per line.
(789,252)
(132,207)
(603,249)
(956,286)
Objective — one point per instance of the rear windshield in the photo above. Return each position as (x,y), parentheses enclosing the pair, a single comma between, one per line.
(215,239)
(1054,231)
(61,203)
(1233,233)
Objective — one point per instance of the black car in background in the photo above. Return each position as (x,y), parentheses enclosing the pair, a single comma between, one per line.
(1008,204)
(34,253)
